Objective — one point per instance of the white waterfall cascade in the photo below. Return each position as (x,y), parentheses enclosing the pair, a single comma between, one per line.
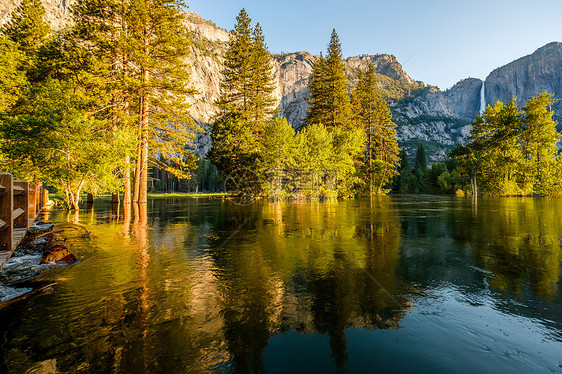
(483,98)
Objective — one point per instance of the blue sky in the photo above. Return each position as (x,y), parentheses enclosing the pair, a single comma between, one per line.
(438,41)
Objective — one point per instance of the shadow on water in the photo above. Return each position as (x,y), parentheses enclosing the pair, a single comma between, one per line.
(199,285)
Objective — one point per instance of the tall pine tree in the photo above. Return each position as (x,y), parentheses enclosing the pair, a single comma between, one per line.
(246,103)
(317,98)
(328,98)
(157,43)
(373,115)
(100,27)
(262,102)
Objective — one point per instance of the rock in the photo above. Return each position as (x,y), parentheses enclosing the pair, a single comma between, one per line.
(58,254)
(40,227)
(57,251)
(527,76)
(34,241)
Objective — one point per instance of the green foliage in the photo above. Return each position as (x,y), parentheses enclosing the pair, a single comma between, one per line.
(136,62)
(316,146)
(246,104)
(317,111)
(27,26)
(157,45)
(262,102)
(538,143)
(235,148)
(419,172)
(317,163)
(278,159)
(373,115)
(328,159)
(53,139)
(12,75)
(349,146)
(421,159)
(444,179)
(400,181)
(329,101)
(513,151)
(113,82)
(247,85)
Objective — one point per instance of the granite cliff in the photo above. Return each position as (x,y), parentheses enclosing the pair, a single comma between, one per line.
(528,76)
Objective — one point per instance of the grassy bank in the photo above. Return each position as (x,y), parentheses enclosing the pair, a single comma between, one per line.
(174,195)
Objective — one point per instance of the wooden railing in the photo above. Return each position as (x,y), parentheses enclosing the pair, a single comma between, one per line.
(20,203)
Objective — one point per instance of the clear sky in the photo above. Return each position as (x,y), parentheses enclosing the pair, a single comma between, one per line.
(437,41)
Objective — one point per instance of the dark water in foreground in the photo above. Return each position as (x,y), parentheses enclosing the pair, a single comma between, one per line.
(402,284)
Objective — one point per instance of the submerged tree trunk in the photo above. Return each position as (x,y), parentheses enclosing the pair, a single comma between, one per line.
(143,160)
(73,197)
(136,178)
(474,186)
(127,182)
(141,177)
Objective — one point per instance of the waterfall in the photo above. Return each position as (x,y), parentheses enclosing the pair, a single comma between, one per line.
(483,98)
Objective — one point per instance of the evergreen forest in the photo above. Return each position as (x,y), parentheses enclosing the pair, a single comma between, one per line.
(102,106)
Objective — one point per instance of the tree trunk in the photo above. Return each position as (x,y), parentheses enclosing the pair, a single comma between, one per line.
(136,181)
(127,182)
(369,155)
(143,160)
(143,148)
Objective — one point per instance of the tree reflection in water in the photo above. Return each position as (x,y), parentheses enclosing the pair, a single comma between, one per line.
(204,285)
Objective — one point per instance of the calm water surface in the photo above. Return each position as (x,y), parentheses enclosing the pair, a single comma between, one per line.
(398,284)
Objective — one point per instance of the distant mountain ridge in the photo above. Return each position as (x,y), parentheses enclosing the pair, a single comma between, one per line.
(437,119)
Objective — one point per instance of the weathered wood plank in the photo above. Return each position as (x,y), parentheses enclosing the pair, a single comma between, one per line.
(17,212)
(21,201)
(6,211)
(18,236)
(18,190)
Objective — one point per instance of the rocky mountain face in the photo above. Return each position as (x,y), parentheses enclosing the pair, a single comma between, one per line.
(424,114)
(528,76)
(57,12)
(442,119)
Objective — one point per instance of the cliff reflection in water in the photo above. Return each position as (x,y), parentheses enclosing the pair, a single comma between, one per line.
(204,285)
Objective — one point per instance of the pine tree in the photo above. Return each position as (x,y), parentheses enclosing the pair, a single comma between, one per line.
(420,169)
(421,158)
(236,85)
(262,102)
(246,104)
(334,108)
(27,26)
(316,111)
(373,115)
(400,183)
(12,77)
(101,28)
(158,44)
